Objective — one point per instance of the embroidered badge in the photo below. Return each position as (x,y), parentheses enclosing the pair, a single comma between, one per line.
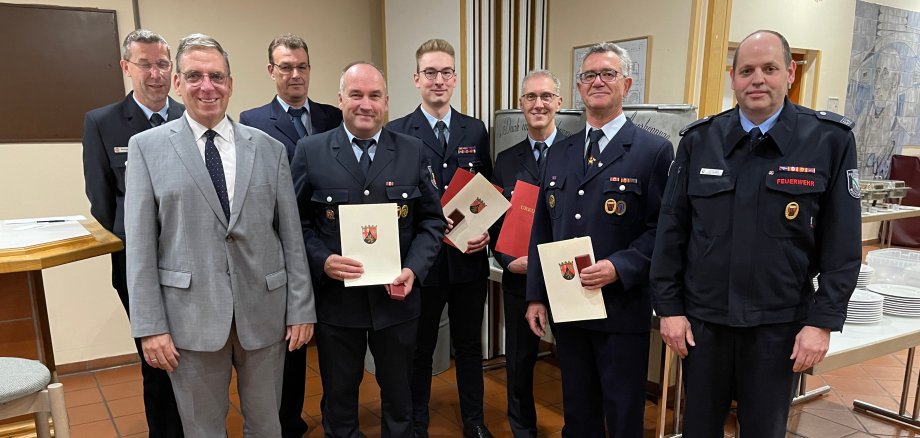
(477,206)
(330,214)
(792,210)
(552,201)
(621,208)
(610,206)
(798,169)
(403,211)
(567,269)
(853,182)
(370,234)
(434,181)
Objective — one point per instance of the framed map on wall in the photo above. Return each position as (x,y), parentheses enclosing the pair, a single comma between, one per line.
(640,52)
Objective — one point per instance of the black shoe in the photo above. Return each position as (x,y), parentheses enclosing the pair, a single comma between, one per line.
(479,431)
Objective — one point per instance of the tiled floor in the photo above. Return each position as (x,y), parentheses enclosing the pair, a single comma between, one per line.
(108,403)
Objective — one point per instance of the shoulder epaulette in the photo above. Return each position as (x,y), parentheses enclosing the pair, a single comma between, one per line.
(836,118)
(699,122)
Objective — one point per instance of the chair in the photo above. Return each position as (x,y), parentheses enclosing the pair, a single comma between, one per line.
(25,389)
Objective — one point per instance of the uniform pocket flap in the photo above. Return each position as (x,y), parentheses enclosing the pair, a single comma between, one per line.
(397,193)
(622,187)
(177,279)
(276,279)
(796,185)
(330,196)
(468,160)
(556,183)
(710,185)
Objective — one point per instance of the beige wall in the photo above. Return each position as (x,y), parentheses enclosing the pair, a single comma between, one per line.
(580,22)
(45,179)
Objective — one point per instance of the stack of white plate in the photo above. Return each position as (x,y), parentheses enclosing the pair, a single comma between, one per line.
(865,307)
(865,277)
(900,300)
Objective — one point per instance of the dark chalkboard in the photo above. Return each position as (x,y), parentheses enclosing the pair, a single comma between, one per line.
(56,63)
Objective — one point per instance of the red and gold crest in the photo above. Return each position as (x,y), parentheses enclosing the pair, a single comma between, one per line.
(370,234)
(477,206)
(567,269)
(792,210)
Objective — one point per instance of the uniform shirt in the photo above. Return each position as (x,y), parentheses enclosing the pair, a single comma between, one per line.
(610,129)
(163,112)
(744,229)
(304,118)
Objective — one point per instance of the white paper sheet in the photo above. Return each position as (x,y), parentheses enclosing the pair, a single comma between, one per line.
(370,235)
(481,205)
(568,299)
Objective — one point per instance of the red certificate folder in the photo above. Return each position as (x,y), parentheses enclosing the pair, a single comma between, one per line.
(514,237)
(458,181)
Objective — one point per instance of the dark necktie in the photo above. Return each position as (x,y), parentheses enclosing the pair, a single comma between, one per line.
(540,147)
(297,120)
(216,169)
(365,161)
(156,120)
(442,134)
(594,148)
(756,137)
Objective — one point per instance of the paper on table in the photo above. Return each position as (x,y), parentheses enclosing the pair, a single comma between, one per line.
(51,219)
(370,235)
(480,204)
(568,299)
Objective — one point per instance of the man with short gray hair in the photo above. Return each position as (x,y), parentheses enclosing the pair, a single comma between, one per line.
(106,130)
(217,273)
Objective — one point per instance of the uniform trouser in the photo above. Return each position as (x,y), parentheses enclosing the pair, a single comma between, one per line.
(341,364)
(521,348)
(603,378)
(159,401)
(202,381)
(748,364)
(465,303)
(292,393)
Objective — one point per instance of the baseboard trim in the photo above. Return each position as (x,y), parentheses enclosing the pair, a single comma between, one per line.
(97,364)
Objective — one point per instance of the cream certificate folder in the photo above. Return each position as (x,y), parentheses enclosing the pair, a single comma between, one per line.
(370,235)
(568,300)
(474,209)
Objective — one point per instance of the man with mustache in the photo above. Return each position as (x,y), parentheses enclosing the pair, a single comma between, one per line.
(106,130)
(290,116)
(760,199)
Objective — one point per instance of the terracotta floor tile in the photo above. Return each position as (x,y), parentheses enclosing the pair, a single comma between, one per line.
(82,397)
(549,419)
(829,401)
(137,435)
(877,426)
(87,413)
(311,405)
(884,372)
(76,382)
(856,371)
(96,429)
(548,393)
(851,385)
(544,367)
(844,418)
(126,406)
(122,390)
(235,424)
(111,376)
(812,426)
(882,401)
(131,424)
(888,360)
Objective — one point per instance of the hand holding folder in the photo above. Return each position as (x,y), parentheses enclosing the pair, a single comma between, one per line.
(472,208)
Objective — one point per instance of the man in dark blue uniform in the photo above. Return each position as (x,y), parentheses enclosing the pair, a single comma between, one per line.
(106,130)
(363,163)
(760,199)
(452,140)
(290,116)
(540,100)
(606,182)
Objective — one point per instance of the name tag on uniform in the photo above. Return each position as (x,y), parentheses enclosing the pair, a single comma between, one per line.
(121,149)
(713,172)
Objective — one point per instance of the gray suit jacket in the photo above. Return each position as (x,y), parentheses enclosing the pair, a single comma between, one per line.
(190,272)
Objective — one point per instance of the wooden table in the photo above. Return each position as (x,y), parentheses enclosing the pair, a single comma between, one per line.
(21,281)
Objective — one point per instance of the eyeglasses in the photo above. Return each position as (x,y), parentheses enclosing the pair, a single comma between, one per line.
(146,66)
(545,97)
(196,77)
(608,75)
(432,74)
(288,69)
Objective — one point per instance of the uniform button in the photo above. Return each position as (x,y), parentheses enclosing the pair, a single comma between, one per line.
(228,239)
(823,113)
(367,192)
(599,164)
(577,216)
(329,199)
(622,187)
(512,192)
(445,187)
(126,163)
(581,193)
(552,183)
(470,163)
(405,195)
(444,165)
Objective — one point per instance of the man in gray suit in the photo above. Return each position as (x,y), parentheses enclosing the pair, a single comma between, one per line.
(217,274)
